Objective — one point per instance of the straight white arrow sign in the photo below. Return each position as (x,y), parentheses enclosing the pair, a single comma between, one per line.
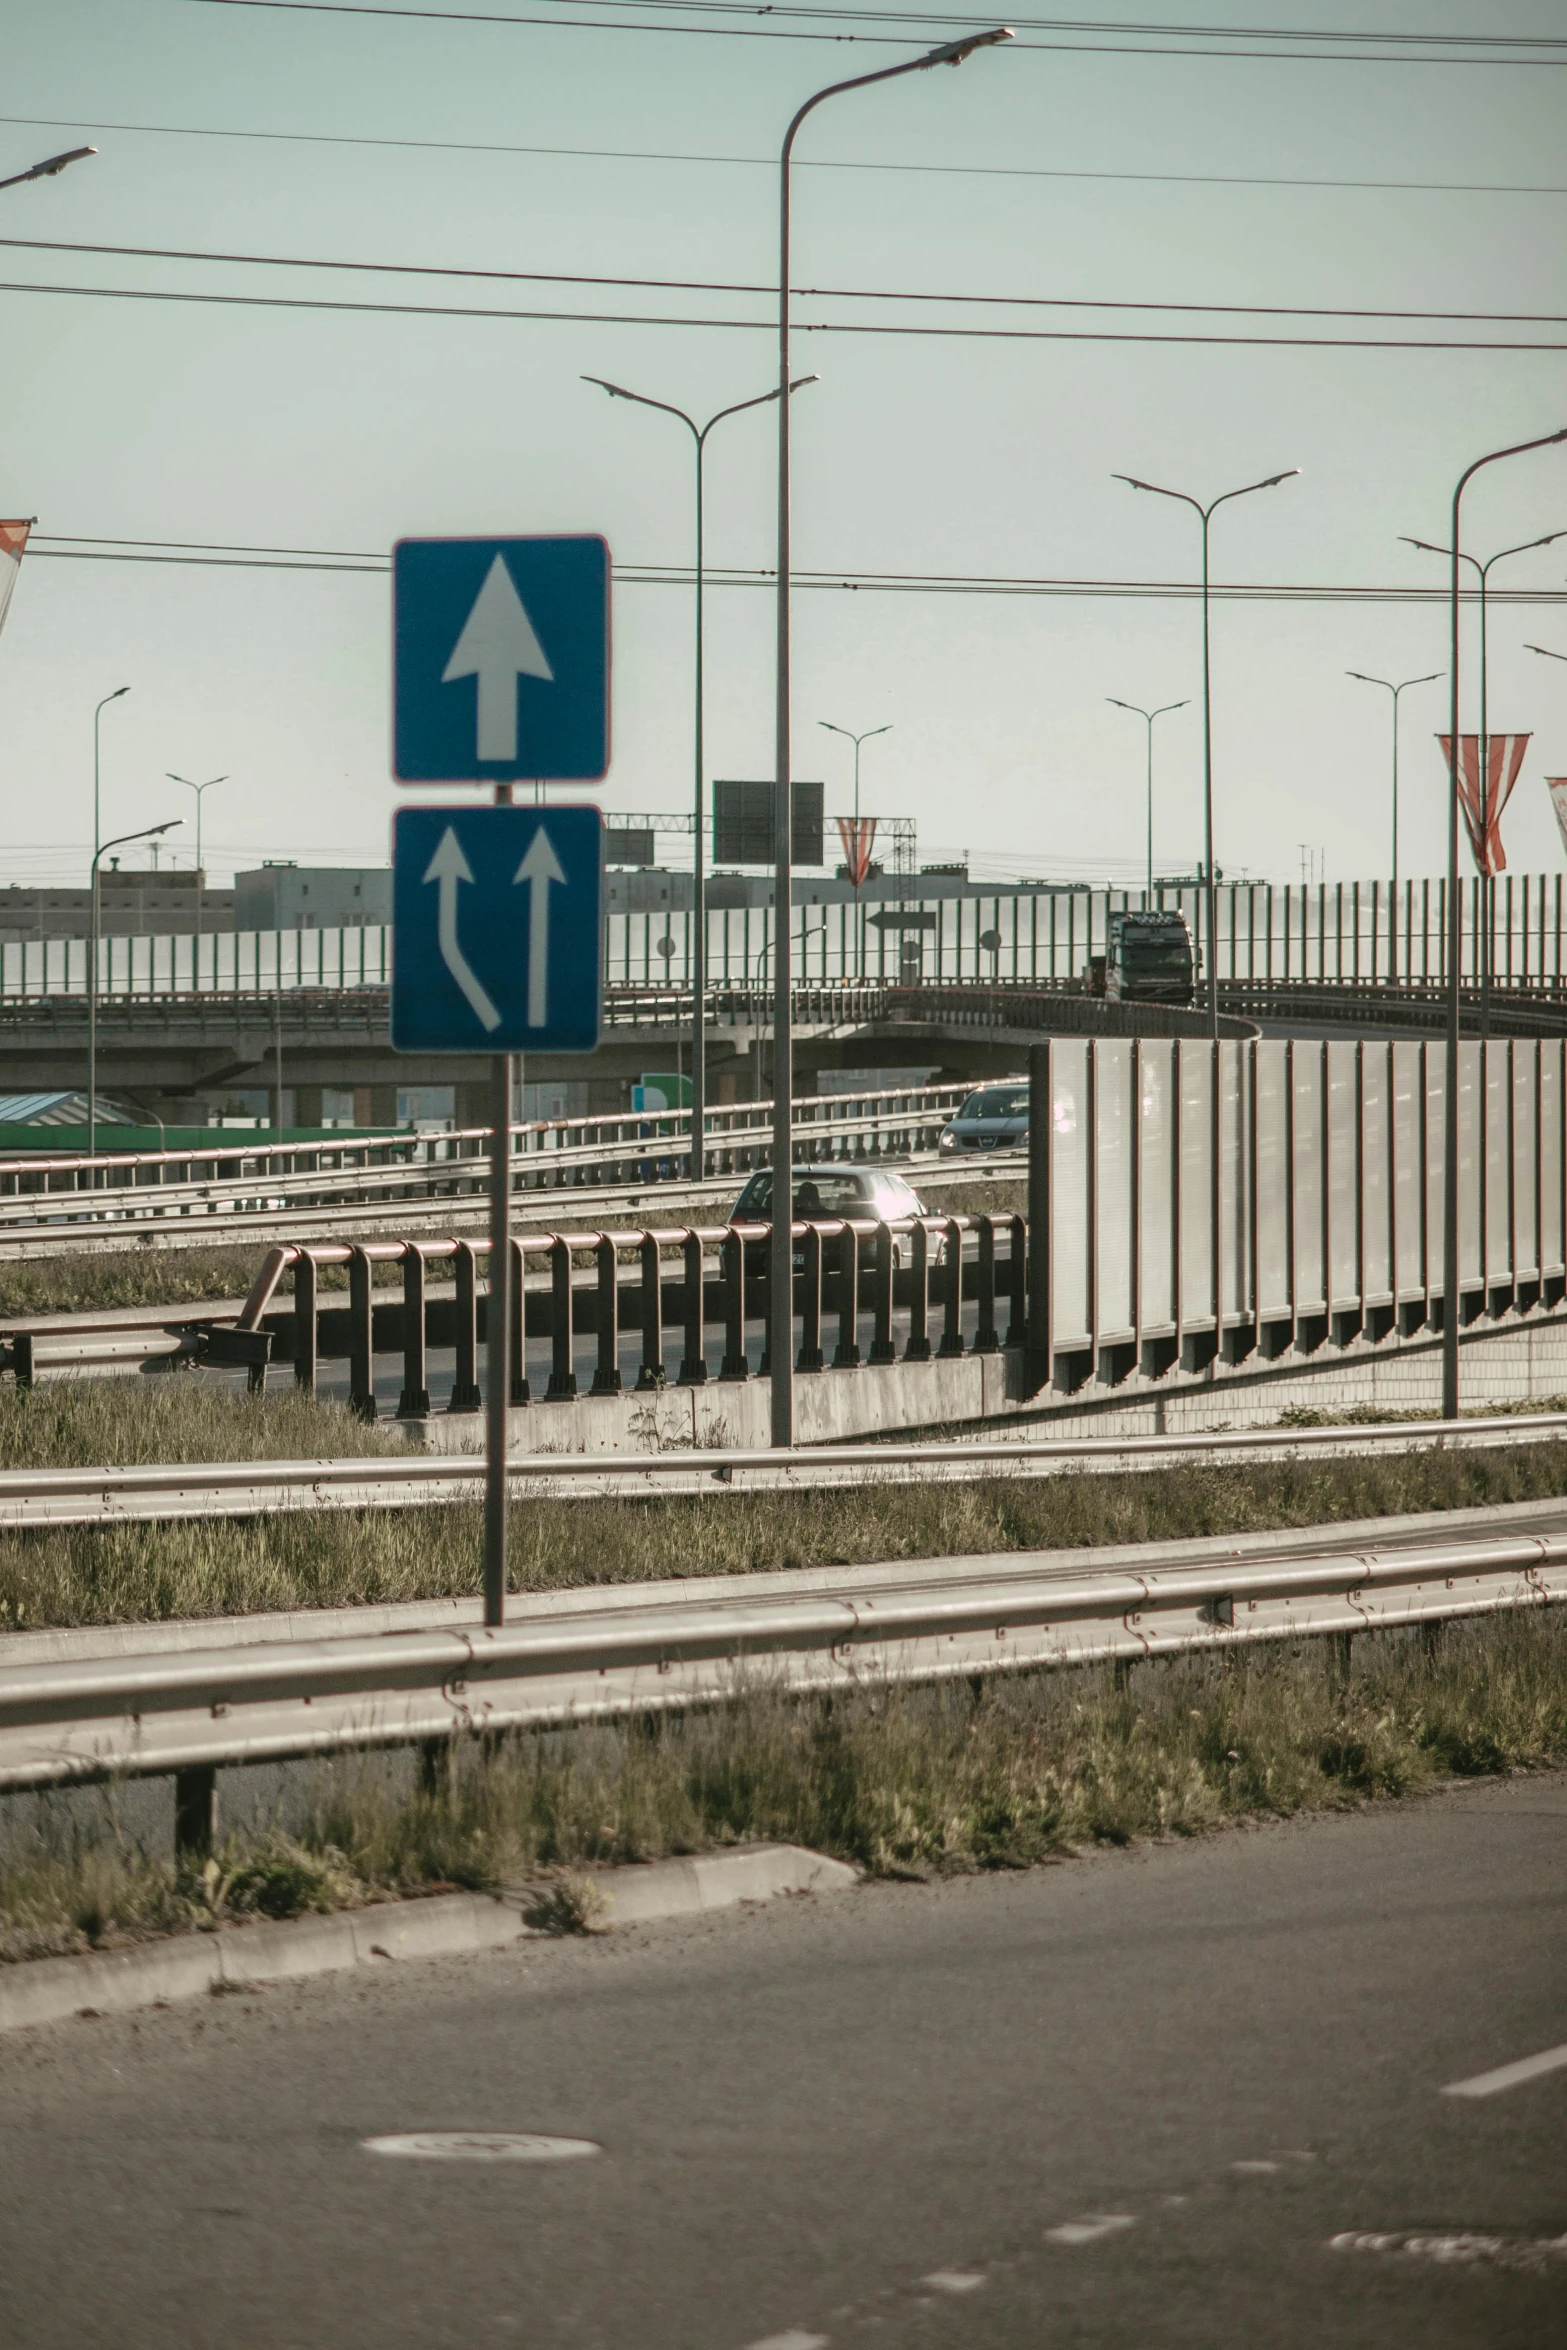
(498,645)
(538,869)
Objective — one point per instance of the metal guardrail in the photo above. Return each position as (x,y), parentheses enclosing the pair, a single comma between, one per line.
(910,1264)
(154,1493)
(238,1181)
(192,1712)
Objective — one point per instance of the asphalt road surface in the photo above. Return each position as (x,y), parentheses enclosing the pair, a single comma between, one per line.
(1191,2096)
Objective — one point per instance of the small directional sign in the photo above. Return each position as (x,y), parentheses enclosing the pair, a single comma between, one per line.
(496,929)
(501,660)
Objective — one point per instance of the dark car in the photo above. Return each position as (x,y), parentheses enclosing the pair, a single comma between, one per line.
(831,1191)
(993,1118)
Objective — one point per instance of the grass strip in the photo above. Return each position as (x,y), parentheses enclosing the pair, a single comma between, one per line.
(1004,1773)
(242,1566)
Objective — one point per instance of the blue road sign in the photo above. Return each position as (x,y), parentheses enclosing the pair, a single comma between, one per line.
(497,929)
(500,660)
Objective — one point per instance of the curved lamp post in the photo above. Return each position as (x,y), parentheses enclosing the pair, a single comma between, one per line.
(780,1254)
(1205,515)
(48,168)
(148,832)
(1149,716)
(699,433)
(1482,572)
(868,736)
(201,878)
(1395,690)
(1450,1300)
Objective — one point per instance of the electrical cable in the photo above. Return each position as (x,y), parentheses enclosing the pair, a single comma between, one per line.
(239,555)
(769,163)
(677,285)
(1007,334)
(1077,48)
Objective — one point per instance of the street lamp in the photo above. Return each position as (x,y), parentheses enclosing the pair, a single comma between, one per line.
(150,832)
(1205,515)
(48,168)
(869,735)
(1545,650)
(1455,941)
(780,1254)
(1487,881)
(699,433)
(201,877)
(1395,690)
(1149,716)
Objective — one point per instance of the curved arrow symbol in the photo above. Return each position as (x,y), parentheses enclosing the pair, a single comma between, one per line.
(449,867)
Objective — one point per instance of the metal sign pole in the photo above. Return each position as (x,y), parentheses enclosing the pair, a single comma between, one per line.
(497,1357)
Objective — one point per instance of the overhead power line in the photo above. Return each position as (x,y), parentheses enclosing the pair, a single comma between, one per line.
(1004,334)
(769,163)
(1350,48)
(680,285)
(238,555)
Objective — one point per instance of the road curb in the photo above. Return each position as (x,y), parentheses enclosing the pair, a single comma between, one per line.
(49,1990)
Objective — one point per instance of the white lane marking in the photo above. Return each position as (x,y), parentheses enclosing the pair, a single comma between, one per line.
(1508,2076)
(481,2146)
(1458,2250)
(1089,2229)
(953,2280)
(792,2341)
(1257,2169)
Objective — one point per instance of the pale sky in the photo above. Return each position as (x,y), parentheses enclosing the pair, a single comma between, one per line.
(146,420)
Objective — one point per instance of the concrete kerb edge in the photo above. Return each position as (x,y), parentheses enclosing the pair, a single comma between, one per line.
(51,1990)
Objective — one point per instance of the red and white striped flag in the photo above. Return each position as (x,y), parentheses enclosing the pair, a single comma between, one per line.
(13,538)
(857,835)
(1483,810)
(1556,785)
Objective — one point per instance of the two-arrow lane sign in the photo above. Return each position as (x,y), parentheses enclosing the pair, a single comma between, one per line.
(501,660)
(497,923)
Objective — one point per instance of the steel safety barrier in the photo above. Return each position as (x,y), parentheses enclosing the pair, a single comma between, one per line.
(145,1494)
(556,1154)
(579,1658)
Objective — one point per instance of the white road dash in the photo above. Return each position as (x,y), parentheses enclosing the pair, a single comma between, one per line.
(1509,2076)
(792,2341)
(1090,2228)
(1258,2170)
(481,2146)
(1454,2249)
(953,2280)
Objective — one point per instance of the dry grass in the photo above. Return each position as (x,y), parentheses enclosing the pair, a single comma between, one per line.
(904,1782)
(227,1566)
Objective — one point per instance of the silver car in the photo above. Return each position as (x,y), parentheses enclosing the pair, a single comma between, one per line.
(995,1117)
(830,1191)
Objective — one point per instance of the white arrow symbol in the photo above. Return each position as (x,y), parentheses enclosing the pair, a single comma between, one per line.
(497,646)
(449,867)
(538,869)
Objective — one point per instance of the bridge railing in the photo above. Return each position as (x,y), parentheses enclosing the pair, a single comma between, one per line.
(548,1155)
(1343,932)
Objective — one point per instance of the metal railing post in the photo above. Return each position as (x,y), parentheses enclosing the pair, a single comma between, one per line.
(465,1396)
(414,1402)
(306,1334)
(987,1339)
(952,1318)
(563,1379)
(651,1373)
(882,1281)
(731,1259)
(810,1356)
(693,1363)
(846,1355)
(361,1336)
